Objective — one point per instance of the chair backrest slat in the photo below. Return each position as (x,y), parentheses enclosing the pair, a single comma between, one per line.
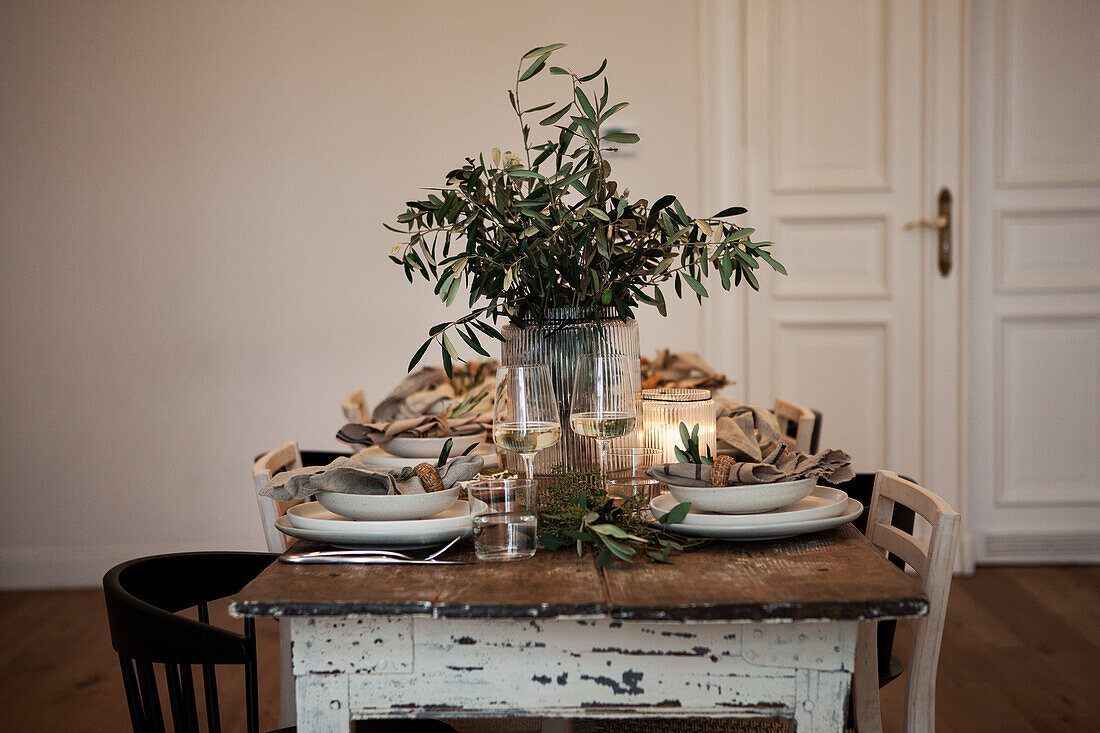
(133,694)
(150,697)
(210,695)
(175,698)
(187,685)
(210,683)
(903,545)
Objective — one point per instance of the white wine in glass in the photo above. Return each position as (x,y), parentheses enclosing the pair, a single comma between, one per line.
(525,412)
(603,426)
(604,404)
(526,437)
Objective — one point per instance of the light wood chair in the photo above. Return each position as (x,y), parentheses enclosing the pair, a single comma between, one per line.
(354,407)
(933,564)
(796,425)
(284,458)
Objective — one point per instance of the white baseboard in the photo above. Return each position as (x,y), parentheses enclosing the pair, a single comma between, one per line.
(1043,548)
(81,567)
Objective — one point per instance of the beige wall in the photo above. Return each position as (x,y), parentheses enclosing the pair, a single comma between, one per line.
(193,265)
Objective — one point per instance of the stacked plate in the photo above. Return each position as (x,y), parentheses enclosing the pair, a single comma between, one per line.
(824,508)
(401,452)
(311,521)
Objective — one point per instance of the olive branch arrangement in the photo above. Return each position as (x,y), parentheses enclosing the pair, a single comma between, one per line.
(576,510)
(549,228)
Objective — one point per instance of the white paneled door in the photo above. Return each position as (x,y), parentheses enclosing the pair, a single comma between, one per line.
(834,122)
(1035,280)
(826,112)
(840,122)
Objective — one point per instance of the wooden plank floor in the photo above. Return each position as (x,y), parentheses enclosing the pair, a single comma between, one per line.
(1021,653)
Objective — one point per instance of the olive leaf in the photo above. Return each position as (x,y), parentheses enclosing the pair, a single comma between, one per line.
(676,514)
(689,452)
(445,453)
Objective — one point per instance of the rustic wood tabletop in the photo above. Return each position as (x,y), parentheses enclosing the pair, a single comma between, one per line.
(835,575)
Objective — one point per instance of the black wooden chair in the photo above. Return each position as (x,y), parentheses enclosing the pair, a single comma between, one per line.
(144,597)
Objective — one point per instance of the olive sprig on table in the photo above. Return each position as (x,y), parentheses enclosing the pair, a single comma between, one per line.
(577,511)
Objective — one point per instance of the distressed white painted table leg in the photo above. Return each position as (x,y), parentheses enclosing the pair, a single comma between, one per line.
(419,666)
(323,702)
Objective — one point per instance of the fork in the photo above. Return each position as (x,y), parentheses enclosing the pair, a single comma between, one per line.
(365,552)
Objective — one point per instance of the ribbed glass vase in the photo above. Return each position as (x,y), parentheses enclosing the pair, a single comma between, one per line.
(558,342)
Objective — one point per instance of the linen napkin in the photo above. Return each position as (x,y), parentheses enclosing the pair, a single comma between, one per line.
(348,476)
(429,391)
(745,432)
(426,391)
(425,426)
(780,465)
(686,370)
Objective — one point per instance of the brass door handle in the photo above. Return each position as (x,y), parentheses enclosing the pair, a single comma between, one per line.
(942,225)
(938,223)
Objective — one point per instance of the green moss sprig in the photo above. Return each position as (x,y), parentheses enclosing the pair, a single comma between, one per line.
(577,511)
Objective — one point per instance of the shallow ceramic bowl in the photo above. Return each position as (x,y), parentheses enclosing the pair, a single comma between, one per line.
(746,498)
(394,463)
(430,447)
(391,507)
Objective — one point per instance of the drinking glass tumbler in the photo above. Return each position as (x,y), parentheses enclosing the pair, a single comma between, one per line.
(626,471)
(505,518)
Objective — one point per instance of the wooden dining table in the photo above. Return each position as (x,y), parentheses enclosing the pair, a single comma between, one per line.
(745,629)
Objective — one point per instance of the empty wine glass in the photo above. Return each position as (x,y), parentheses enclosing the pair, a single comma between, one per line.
(604,404)
(525,414)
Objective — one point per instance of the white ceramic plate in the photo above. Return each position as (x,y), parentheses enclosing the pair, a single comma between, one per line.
(388,507)
(333,529)
(430,447)
(746,498)
(375,457)
(773,531)
(823,502)
(311,515)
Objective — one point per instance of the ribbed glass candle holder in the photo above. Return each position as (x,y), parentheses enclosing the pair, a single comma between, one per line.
(558,343)
(664,409)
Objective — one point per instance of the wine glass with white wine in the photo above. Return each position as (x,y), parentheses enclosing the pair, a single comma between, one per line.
(525,413)
(604,404)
